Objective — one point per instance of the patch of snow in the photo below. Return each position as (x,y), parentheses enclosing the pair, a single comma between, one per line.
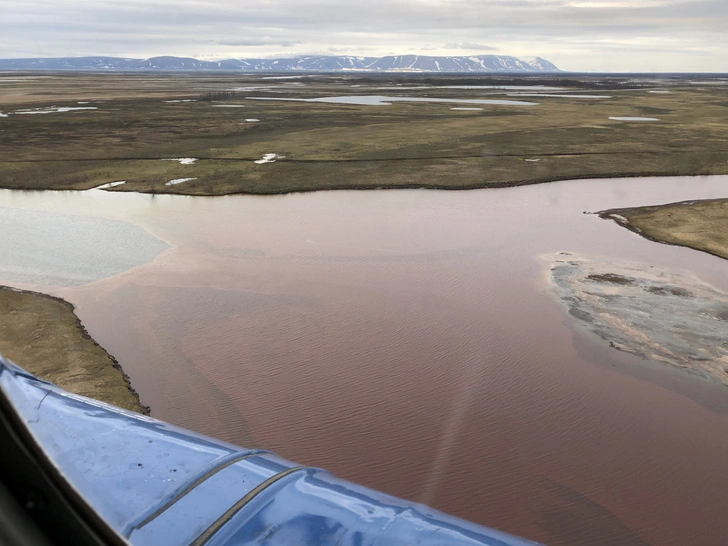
(228,106)
(468,109)
(632,118)
(181,100)
(252,120)
(54,109)
(268,158)
(74,108)
(3,115)
(83,102)
(183,160)
(281,77)
(660,91)
(178,181)
(109,185)
(534,160)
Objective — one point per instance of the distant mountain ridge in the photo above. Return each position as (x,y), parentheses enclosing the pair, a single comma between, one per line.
(308,63)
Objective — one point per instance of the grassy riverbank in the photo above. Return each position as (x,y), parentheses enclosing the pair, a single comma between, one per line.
(701,225)
(43,335)
(137,121)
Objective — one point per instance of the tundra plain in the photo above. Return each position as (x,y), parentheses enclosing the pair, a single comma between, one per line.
(89,130)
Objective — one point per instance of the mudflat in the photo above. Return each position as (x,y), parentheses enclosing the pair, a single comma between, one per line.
(79,131)
(701,225)
(655,314)
(43,335)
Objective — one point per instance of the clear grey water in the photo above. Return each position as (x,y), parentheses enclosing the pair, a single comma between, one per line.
(382,100)
(474,87)
(57,249)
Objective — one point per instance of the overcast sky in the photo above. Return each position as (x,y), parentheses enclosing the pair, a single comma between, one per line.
(595,35)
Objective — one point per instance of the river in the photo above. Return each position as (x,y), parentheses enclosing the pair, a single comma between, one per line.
(404,339)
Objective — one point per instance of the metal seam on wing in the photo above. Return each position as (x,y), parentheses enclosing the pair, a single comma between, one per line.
(217,466)
(235,508)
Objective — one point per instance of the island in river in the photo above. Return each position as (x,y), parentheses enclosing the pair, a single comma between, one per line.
(42,334)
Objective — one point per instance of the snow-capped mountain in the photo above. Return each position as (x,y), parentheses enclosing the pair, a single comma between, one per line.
(324,63)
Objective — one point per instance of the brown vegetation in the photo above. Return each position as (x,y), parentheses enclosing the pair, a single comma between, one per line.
(702,225)
(333,146)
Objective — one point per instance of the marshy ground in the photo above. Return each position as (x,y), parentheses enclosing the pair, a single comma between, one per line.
(109,128)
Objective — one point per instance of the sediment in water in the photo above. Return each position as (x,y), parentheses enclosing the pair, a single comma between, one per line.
(660,315)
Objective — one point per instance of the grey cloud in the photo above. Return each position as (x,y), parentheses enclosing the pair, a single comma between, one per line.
(469,45)
(257,42)
(570,29)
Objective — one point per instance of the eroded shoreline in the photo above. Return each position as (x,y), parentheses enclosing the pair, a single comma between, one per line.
(42,334)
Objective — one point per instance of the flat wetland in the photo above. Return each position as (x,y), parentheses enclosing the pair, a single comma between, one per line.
(141,119)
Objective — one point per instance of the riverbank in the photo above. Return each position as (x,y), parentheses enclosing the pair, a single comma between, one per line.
(42,334)
(700,225)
